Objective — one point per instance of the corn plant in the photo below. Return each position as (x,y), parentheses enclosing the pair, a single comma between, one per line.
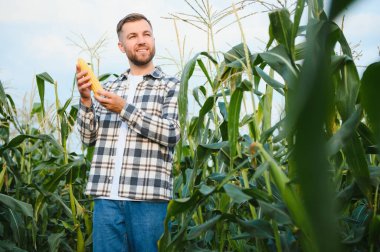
(42,203)
(307,182)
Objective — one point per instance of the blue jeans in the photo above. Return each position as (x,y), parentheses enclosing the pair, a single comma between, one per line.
(127,225)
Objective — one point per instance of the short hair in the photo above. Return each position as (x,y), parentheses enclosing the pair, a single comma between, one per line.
(132,17)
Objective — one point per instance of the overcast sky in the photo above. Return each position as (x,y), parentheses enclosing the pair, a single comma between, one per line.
(35,36)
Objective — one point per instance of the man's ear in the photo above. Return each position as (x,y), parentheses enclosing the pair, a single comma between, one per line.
(120,45)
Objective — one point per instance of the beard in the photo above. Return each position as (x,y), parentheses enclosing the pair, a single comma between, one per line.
(137,60)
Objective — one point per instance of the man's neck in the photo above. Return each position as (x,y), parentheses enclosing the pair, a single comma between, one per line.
(141,70)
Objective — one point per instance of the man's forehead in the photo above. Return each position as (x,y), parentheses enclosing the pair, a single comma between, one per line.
(137,26)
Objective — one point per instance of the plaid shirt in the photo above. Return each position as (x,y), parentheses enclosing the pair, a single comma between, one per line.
(153,131)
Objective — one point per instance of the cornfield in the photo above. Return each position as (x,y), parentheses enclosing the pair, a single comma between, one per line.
(242,182)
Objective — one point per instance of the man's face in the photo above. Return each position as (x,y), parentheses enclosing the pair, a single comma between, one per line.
(137,41)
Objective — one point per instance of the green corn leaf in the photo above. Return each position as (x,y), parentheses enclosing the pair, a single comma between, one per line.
(282,27)
(2,176)
(308,113)
(367,136)
(199,126)
(3,96)
(235,57)
(289,196)
(299,51)
(64,130)
(270,81)
(45,77)
(297,19)
(278,59)
(41,78)
(66,209)
(348,128)
(37,108)
(245,85)
(196,231)
(178,206)
(50,164)
(207,106)
(72,115)
(357,163)
(215,146)
(257,228)
(316,7)
(62,110)
(257,194)
(206,190)
(175,207)
(17,205)
(183,98)
(233,122)
(223,110)
(338,61)
(204,70)
(51,185)
(16,141)
(12,105)
(183,93)
(196,91)
(347,90)
(54,241)
(236,194)
(105,76)
(6,245)
(267,107)
(275,212)
(370,88)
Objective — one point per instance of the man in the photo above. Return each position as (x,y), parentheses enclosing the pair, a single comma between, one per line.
(134,127)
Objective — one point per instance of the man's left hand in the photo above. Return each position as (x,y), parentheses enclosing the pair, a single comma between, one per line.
(110,101)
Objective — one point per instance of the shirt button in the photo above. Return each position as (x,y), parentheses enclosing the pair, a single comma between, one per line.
(110,178)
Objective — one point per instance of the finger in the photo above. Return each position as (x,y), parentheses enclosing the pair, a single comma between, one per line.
(84,86)
(103,93)
(83,80)
(102,100)
(81,74)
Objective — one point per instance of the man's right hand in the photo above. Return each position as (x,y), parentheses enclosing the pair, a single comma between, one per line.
(84,87)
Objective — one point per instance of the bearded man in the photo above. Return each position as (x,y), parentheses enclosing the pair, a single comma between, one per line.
(133,124)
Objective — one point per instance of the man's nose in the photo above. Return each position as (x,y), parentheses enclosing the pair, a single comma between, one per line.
(141,40)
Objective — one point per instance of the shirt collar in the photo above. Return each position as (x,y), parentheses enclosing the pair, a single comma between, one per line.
(157,73)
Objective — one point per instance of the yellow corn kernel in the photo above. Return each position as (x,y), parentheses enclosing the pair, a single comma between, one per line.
(95,84)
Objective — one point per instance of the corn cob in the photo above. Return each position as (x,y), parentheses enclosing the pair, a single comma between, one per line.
(95,84)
